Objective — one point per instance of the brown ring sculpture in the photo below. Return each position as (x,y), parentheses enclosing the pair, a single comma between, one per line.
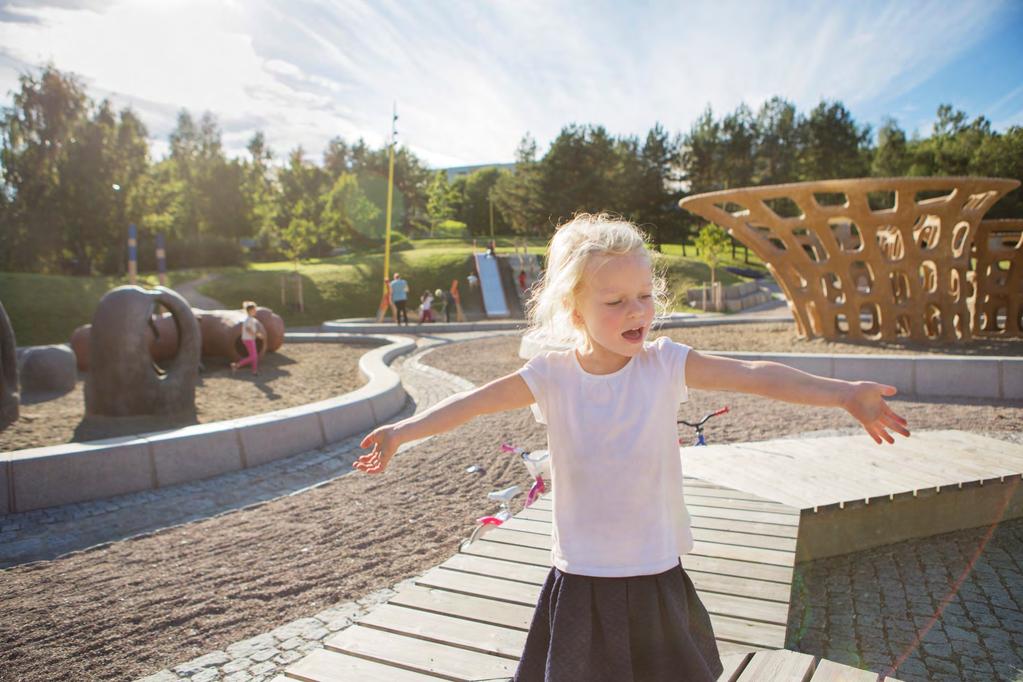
(839,260)
(122,380)
(9,398)
(221,332)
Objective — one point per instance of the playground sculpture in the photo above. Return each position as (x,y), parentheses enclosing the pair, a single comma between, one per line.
(9,400)
(221,332)
(998,278)
(849,269)
(123,380)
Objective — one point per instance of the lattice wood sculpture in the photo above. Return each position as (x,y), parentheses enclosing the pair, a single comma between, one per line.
(883,258)
(998,279)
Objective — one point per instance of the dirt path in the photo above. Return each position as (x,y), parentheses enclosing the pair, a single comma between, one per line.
(190,291)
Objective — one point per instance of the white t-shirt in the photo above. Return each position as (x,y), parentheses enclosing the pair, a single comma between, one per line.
(615,463)
(250,329)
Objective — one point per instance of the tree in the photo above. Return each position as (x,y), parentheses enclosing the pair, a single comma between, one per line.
(832,144)
(777,148)
(712,243)
(891,158)
(297,238)
(440,200)
(517,193)
(347,212)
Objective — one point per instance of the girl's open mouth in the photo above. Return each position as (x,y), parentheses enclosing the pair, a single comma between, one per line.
(633,335)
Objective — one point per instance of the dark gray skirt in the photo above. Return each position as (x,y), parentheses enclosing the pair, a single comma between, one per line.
(648,628)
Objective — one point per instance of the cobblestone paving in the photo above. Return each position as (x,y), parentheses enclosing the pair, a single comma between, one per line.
(899,607)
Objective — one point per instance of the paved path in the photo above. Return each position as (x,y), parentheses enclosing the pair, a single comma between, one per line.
(190,291)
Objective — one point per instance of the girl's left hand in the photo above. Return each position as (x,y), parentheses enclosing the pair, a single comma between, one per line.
(865,401)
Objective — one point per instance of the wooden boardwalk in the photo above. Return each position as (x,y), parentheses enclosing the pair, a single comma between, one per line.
(467,618)
(854,495)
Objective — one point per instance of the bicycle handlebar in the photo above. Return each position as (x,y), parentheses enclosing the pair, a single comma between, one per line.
(703,421)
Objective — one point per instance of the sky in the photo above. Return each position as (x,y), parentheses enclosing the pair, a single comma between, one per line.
(471,77)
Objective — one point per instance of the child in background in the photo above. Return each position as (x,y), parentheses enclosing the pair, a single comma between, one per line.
(618,603)
(251,330)
(426,307)
(442,304)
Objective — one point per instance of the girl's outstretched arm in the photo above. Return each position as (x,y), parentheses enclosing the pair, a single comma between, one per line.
(862,399)
(507,393)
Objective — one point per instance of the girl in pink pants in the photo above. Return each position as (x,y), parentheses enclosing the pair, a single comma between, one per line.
(251,330)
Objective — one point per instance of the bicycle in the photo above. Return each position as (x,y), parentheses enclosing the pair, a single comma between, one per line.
(538,464)
(700,440)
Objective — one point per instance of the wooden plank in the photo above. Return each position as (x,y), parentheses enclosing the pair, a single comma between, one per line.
(745,608)
(742,569)
(528,525)
(734,665)
(729,537)
(743,515)
(719,491)
(481,586)
(744,587)
(829,671)
(331,666)
(520,538)
(770,529)
(698,517)
(536,575)
(733,503)
(497,550)
(465,606)
(752,554)
(766,556)
(780,666)
(857,468)
(995,452)
(444,629)
(508,570)
(418,655)
(815,470)
(746,633)
(726,648)
(745,468)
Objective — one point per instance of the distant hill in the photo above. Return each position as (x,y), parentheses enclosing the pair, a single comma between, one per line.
(455,171)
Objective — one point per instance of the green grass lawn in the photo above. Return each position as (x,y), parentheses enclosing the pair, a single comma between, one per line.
(47,308)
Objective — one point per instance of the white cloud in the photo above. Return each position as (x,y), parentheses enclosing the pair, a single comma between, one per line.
(471,78)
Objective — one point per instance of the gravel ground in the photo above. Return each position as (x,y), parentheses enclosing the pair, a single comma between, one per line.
(294,375)
(134,607)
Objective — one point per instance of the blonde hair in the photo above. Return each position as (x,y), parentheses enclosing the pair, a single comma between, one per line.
(574,245)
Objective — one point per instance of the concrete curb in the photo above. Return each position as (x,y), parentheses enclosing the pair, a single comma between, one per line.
(75,472)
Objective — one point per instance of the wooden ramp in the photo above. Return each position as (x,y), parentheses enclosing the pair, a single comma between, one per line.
(854,495)
(467,618)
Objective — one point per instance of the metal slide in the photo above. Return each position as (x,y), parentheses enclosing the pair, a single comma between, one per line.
(490,285)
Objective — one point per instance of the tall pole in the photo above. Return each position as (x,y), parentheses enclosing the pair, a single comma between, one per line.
(491,198)
(385,301)
(132,253)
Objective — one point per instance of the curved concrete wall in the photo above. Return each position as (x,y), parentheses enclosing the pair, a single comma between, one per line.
(76,472)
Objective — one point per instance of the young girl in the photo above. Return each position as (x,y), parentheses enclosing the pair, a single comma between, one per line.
(617,604)
(426,307)
(251,330)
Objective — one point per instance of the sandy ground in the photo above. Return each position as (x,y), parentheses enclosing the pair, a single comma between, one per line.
(296,374)
(140,605)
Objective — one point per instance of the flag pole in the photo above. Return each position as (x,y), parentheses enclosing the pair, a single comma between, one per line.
(385,301)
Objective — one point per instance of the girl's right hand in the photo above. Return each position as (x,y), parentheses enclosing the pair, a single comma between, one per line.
(385,443)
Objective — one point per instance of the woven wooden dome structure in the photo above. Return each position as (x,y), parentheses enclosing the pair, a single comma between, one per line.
(879,258)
